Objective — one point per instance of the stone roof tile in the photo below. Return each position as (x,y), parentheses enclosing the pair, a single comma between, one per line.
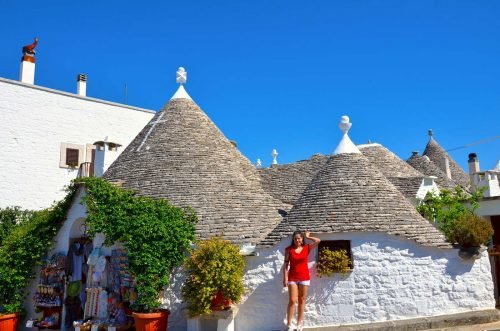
(182,156)
(351,194)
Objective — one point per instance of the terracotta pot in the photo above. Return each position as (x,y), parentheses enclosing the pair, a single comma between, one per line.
(9,322)
(151,321)
(219,302)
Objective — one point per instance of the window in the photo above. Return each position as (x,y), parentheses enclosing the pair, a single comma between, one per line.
(71,155)
(336,245)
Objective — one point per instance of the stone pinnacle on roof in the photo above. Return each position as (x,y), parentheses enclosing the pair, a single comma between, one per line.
(274,154)
(258,164)
(345,146)
(181,78)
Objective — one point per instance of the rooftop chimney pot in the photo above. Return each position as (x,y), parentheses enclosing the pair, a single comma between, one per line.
(81,85)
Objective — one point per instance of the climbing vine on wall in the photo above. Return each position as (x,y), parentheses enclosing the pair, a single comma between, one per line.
(26,237)
(155,233)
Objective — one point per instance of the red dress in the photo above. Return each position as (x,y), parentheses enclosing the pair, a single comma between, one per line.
(299,270)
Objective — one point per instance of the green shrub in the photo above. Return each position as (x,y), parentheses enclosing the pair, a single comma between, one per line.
(332,261)
(446,207)
(214,265)
(26,241)
(471,230)
(10,218)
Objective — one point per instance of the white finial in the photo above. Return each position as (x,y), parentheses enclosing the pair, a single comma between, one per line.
(258,164)
(274,154)
(345,146)
(344,124)
(181,76)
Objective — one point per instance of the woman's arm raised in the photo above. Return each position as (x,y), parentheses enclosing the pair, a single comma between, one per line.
(315,241)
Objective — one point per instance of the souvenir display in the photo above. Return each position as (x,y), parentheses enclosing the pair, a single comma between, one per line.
(93,290)
(50,292)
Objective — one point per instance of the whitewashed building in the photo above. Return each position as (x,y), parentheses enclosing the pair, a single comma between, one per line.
(404,270)
(45,136)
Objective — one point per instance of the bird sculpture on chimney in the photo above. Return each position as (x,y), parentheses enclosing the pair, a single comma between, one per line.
(30,49)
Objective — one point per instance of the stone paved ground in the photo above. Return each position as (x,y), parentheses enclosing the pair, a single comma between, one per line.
(478,327)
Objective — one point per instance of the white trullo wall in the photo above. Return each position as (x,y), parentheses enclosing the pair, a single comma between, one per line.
(35,121)
(393,279)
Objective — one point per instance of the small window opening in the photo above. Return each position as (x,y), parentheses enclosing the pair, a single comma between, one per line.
(72,157)
(337,245)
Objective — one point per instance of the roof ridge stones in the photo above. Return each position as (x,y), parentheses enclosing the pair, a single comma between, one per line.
(350,194)
(182,156)
(437,154)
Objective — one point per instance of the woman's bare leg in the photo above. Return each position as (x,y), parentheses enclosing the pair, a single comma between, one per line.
(302,302)
(292,300)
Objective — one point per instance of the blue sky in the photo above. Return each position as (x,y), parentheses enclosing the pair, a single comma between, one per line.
(279,74)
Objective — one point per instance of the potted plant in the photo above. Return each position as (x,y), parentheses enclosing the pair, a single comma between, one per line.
(332,261)
(155,234)
(470,231)
(214,276)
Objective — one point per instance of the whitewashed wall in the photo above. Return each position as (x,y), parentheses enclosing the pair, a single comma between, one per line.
(393,279)
(35,121)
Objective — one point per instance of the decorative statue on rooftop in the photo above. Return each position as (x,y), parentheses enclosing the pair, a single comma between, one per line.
(30,49)
(181,76)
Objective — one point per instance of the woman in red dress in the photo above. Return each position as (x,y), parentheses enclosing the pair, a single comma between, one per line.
(296,274)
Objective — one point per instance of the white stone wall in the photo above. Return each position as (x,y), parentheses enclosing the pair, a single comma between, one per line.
(393,279)
(35,121)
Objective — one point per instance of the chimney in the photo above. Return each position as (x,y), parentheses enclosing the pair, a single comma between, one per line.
(105,153)
(27,70)
(446,167)
(473,168)
(81,85)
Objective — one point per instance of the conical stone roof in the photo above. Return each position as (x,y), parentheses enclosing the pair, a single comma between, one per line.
(350,194)
(286,182)
(437,154)
(182,156)
(429,168)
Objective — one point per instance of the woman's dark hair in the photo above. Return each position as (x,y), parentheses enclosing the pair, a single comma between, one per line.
(301,234)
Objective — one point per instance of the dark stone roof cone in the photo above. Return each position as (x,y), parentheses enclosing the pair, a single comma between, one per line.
(182,156)
(349,194)
(437,154)
(403,176)
(429,168)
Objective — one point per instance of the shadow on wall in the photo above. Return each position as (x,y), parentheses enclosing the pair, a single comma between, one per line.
(265,306)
